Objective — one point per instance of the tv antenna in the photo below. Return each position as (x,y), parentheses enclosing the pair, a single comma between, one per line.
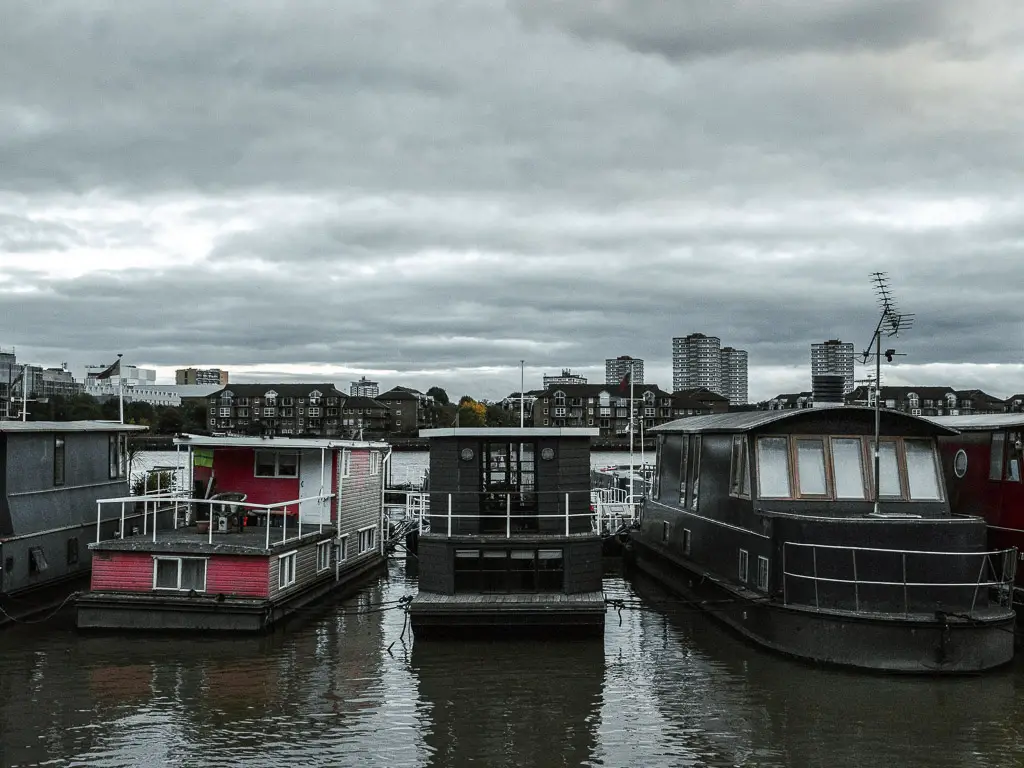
(890,322)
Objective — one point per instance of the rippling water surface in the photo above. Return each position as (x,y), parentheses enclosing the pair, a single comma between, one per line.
(342,686)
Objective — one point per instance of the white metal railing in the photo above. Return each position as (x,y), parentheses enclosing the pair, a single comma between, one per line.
(996,571)
(188,507)
(447,516)
(614,509)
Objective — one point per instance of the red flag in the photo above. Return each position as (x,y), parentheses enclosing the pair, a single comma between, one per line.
(624,384)
(113,370)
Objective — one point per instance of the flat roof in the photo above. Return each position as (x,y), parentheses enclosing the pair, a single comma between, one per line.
(980,422)
(285,443)
(69,426)
(746,421)
(512,432)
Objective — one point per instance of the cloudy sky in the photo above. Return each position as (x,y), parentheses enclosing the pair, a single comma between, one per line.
(428,191)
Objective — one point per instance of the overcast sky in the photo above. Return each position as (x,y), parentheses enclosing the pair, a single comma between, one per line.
(427,192)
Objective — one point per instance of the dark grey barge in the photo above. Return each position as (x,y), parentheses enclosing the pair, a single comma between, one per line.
(512,544)
(768,520)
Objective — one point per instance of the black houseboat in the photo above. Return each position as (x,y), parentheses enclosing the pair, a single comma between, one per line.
(512,541)
(52,473)
(768,520)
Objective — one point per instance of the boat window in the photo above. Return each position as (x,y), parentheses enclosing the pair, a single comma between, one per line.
(179,573)
(922,470)
(694,472)
(810,465)
(684,452)
(739,484)
(687,541)
(287,465)
(58,460)
(888,469)
(668,469)
(848,468)
(995,470)
(744,565)
(266,465)
(656,488)
(773,468)
(276,464)
(762,573)
(1013,460)
(286,569)
(505,571)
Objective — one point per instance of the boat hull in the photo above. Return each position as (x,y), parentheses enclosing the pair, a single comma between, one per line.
(894,643)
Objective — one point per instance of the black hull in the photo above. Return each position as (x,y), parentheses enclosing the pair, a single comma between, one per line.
(153,612)
(891,643)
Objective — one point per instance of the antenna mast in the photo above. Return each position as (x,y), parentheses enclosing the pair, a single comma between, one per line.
(891,321)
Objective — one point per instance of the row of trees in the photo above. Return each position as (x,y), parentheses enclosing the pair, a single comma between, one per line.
(469,412)
(161,419)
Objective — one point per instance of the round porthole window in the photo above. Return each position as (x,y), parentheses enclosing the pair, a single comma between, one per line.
(960,463)
(467,454)
(547,454)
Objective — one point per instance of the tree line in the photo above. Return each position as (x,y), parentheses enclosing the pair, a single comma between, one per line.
(161,419)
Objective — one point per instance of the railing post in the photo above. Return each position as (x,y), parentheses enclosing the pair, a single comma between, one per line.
(856,584)
(508,515)
(905,602)
(209,529)
(814,560)
(449,515)
(266,518)
(977,584)
(155,510)
(785,577)
(122,520)
(284,523)
(99,515)
(566,514)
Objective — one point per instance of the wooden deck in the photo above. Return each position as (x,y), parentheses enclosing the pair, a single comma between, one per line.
(580,613)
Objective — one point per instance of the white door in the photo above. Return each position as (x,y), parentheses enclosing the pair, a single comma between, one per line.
(314,511)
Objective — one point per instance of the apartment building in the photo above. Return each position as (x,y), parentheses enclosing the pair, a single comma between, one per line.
(277,409)
(364,388)
(836,357)
(602,406)
(697,362)
(734,375)
(616,368)
(565,377)
(410,410)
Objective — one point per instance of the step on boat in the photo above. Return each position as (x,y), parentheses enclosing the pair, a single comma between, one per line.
(769,520)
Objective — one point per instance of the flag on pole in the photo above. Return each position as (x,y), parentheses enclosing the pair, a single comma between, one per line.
(20,377)
(624,383)
(112,370)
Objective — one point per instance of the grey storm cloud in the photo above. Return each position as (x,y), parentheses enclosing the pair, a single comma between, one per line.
(451,187)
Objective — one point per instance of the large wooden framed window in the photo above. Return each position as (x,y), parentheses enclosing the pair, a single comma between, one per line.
(276,464)
(181,574)
(773,477)
(848,476)
(812,477)
(739,476)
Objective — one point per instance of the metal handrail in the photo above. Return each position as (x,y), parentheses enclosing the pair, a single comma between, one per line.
(267,509)
(1001,578)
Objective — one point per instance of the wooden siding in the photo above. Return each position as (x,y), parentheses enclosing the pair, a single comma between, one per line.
(237,576)
(305,569)
(360,498)
(122,572)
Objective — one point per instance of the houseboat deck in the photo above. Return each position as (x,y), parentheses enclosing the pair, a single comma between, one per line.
(249,540)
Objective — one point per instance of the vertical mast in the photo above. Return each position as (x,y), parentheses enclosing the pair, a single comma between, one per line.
(632,470)
(522,395)
(120,387)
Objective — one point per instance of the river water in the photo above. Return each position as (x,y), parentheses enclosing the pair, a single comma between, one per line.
(341,685)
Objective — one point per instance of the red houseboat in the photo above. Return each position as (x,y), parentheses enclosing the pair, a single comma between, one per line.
(269,525)
(983,471)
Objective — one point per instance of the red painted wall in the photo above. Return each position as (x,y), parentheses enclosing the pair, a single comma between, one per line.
(237,575)
(122,571)
(233,469)
(232,575)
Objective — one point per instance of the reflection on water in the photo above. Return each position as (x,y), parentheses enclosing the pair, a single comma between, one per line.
(667,687)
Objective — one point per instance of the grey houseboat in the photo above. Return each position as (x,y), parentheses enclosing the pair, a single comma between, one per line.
(768,520)
(52,474)
(511,542)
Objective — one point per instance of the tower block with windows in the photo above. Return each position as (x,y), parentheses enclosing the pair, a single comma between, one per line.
(510,541)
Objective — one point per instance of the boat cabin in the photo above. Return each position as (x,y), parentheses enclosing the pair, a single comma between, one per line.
(265,526)
(510,540)
(982,464)
(776,510)
(51,475)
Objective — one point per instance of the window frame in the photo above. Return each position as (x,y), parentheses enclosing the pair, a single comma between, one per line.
(743,566)
(178,559)
(789,466)
(287,563)
(370,531)
(794,467)
(323,563)
(763,571)
(739,484)
(867,487)
(376,462)
(687,541)
(342,543)
(277,463)
(59,460)
(345,463)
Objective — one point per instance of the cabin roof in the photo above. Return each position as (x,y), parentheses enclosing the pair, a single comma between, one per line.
(69,426)
(284,443)
(747,421)
(980,422)
(511,432)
